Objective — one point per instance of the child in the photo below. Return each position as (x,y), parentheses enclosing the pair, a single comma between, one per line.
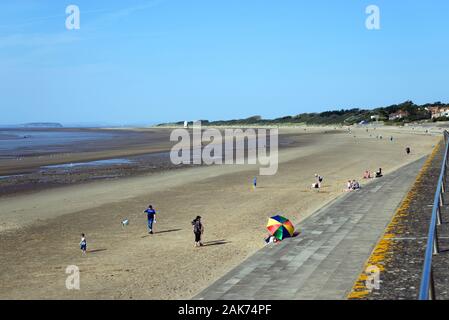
(83,243)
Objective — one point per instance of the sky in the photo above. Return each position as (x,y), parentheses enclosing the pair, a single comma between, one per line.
(145,62)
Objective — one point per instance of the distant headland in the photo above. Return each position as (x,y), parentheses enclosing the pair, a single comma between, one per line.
(42,125)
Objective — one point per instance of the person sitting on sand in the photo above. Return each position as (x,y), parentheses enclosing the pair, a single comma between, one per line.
(349,186)
(379,173)
(270,239)
(355,185)
(83,243)
(367,175)
(198,230)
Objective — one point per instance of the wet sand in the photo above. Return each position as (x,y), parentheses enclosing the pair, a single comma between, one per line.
(136,151)
(41,230)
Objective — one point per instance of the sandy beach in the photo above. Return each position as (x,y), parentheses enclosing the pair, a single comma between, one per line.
(39,232)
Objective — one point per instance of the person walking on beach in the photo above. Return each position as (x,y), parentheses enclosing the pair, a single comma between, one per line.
(151,215)
(255,182)
(198,230)
(83,243)
(319,179)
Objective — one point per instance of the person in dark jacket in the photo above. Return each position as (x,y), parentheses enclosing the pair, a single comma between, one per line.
(198,230)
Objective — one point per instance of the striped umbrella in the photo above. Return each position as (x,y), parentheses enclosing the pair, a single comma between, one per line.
(280,227)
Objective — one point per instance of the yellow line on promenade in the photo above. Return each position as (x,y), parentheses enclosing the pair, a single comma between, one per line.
(379,255)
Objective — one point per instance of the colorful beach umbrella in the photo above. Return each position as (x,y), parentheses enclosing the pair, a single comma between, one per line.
(280,227)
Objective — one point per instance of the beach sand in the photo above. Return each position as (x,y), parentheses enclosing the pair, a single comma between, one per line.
(41,231)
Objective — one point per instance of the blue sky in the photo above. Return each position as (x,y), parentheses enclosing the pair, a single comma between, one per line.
(138,62)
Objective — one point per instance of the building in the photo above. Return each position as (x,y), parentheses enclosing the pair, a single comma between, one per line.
(397,115)
(438,112)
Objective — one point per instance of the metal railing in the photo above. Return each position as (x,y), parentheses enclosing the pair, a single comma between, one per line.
(427,288)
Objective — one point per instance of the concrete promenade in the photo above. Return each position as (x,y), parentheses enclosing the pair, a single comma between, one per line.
(325,260)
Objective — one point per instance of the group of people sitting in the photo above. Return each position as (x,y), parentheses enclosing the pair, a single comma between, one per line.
(352,185)
(367,174)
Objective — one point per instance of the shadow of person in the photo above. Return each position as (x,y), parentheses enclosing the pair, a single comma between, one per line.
(215,243)
(167,231)
(159,232)
(96,250)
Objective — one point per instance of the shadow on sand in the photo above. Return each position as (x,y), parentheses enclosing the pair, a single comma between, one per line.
(167,231)
(96,250)
(215,243)
(159,232)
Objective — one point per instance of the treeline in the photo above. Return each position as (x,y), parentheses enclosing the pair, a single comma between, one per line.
(412,111)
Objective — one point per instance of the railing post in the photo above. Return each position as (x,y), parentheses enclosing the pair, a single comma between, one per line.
(431,287)
(427,287)
(436,248)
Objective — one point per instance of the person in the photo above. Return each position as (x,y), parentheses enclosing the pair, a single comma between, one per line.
(151,215)
(407,150)
(198,230)
(367,175)
(355,185)
(83,243)
(391,138)
(349,186)
(255,182)
(270,239)
(379,173)
(318,180)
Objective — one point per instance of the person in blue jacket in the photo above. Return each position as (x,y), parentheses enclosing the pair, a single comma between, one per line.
(151,215)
